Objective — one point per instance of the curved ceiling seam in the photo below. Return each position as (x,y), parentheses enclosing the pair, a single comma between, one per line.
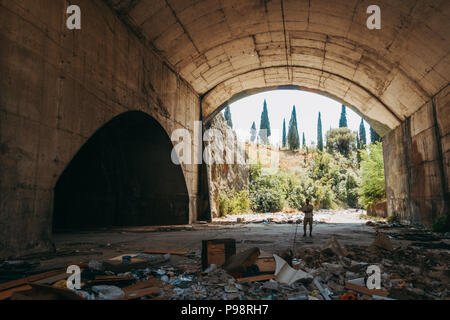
(396,116)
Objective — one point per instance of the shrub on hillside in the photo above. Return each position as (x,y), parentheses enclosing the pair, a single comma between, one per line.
(341,140)
(267,200)
(266,193)
(372,188)
(234,203)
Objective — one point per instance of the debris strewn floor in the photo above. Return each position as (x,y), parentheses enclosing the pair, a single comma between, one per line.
(166,263)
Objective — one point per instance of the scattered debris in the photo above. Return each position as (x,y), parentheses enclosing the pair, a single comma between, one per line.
(365,290)
(381,241)
(286,274)
(325,293)
(330,272)
(108,292)
(263,277)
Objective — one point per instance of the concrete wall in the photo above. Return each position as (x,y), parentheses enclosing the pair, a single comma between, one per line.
(57,88)
(416,156)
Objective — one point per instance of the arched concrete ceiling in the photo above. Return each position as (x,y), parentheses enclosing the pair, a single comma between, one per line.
(224,47)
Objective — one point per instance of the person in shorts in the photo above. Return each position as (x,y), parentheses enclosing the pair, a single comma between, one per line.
(308,210)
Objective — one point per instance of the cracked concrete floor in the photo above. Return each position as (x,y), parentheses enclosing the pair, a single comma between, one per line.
(103,244)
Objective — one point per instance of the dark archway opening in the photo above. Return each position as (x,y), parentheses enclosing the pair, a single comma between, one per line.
(122,176)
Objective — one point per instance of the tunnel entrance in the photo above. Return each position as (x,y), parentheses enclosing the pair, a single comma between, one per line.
(122,176)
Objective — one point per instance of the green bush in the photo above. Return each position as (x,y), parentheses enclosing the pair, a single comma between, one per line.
(234,203)
(296,198)
(372,188)
(441,224)
(224,205)
(341,140)
(267,200)
(266,192)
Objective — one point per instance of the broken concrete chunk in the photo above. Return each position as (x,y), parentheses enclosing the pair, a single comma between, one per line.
(239,262)
(108,292)
(333,267)
(95,265)
(358,281)
(333,247)
(381,241)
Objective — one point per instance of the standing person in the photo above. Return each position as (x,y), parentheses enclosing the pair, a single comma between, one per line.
(308,210)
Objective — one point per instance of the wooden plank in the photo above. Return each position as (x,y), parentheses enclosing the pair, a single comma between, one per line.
(113,278)
(266,264)
(136,294)
(262,277)
(33,278)
(53,279)
(8,293)
(364,290)
(44,292)
(217,251)
(216,254)
(108,279)
(143,285)
(119,258)
(177,253)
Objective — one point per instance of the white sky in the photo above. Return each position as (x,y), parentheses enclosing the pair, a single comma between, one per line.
(279,106)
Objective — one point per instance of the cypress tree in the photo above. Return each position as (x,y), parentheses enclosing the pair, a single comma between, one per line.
(283,144)
(374,137)
(253,132)
(343,119)
(362,135)
(293,138)
(319,133)
(304,141)
(264,125)
(227,116)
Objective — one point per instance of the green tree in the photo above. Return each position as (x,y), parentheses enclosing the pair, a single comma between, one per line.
(319,133)
(358,141)
(362,135)
(293,138)
(264,127)
(304,141)
(372,188)
(284,142)
(341,140)
(227,116)
(374,137)
(343,119)
(253,132)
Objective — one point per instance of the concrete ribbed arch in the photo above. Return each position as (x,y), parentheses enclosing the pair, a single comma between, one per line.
(225,47)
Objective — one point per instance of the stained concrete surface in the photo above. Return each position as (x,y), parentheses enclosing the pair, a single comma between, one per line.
(102,244)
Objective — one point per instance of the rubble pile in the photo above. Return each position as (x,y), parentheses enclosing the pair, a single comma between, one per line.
(330,272)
